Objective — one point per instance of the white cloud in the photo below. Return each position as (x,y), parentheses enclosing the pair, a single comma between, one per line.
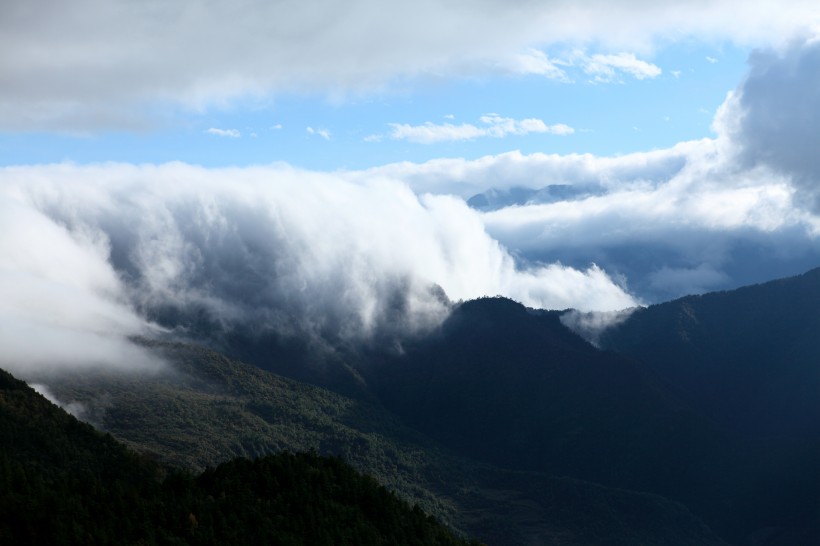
(608,68)
(711,60)
(493,125)
(430,132)
(77,409)
(230,133)
(89,252)
(466,178)
(534,61)
(702,215)
(324,133)
(62,305)
(87,65)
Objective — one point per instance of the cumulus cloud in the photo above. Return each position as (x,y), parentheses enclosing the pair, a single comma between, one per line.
(91,255)
(493,125)
(92,64)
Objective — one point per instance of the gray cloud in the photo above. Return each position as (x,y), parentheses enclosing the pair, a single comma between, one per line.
(91,64)
(773,118)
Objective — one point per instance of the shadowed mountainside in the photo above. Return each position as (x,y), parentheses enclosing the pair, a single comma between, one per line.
(750,360)
(516,388)
(212,408)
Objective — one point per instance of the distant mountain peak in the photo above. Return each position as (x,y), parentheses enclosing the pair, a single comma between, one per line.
(494,199)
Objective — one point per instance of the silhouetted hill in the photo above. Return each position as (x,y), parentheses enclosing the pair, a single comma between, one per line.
(516,388)
(61,482)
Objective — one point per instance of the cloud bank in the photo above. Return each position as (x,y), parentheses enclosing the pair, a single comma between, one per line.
(92,255)
(89,65)
(672,222)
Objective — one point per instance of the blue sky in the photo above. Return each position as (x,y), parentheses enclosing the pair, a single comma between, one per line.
(267,163)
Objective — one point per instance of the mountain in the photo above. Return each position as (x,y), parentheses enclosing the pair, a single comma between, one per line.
(516,388)
(687,417)
(494,199)
(750,360)
(62,482)
(748,356)
(208,408)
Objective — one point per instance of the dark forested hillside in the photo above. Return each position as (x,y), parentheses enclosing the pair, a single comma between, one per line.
(750,360)
(210,408)
(61,482)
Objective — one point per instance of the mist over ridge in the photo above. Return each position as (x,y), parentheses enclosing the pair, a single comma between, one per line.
(116,250)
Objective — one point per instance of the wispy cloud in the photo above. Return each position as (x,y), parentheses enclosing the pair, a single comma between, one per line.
(229,133)
(609,68)
(535,61)
(492,125)
(324,133)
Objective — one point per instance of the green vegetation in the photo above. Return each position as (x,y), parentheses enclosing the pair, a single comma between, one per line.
(61,482)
